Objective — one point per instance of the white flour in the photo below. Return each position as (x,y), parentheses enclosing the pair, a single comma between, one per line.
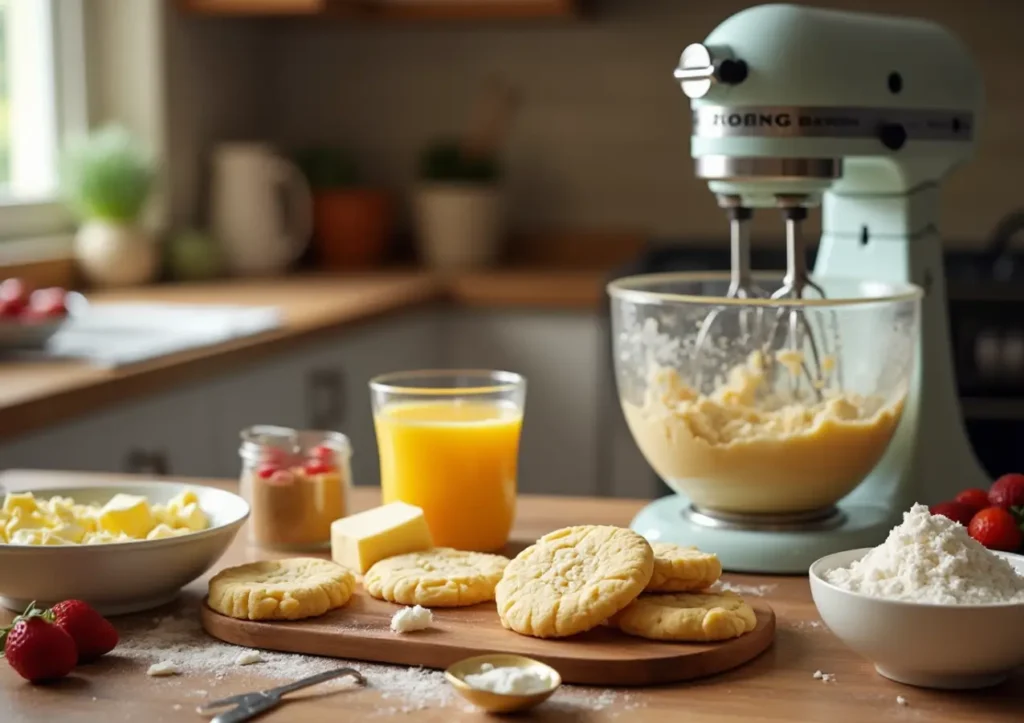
(931,559)
(509,681)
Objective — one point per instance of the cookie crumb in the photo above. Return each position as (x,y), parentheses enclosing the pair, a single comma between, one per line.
(248,657)
(163,669)
(900,700)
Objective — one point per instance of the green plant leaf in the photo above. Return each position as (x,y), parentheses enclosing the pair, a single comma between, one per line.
(107,176)
(445,161)
(328,168)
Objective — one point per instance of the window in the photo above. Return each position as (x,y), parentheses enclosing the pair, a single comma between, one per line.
(42,102)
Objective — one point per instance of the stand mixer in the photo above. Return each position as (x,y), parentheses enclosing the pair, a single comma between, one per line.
(864,115)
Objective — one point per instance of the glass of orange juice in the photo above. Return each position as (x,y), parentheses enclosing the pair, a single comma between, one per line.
(449,444)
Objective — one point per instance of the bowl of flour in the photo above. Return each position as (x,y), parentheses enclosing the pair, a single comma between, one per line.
(929,607)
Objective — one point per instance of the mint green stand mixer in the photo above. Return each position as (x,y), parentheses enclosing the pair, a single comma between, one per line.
(864,115)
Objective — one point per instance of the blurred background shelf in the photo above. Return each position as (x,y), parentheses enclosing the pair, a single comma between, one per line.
(388,9)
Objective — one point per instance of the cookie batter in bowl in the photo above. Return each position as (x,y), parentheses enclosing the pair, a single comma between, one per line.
(745,448)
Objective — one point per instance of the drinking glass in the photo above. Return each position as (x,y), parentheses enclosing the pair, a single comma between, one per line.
(449,444)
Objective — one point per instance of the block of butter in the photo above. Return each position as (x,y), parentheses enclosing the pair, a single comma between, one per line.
(360,540)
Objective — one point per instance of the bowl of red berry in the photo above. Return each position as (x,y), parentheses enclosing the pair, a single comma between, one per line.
(994,517)
(29,317)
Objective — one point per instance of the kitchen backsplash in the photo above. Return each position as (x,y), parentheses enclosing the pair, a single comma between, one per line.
(602,138)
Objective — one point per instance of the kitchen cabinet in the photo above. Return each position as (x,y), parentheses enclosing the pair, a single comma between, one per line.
(324,386)
(165,435)
(555,351)
(193,431)
(388,10)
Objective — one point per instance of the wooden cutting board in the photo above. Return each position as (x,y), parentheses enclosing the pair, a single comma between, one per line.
(361,631)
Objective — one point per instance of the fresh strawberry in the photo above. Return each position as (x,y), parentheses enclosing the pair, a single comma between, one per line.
(315,468)
(48,303)
(975,498)
(1007,491)
(11,308)
(15,290)
(956,511)
(37,649)
(996,529)
(93,634)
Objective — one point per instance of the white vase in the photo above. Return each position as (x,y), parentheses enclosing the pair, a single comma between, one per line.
(113,254)
(458,225)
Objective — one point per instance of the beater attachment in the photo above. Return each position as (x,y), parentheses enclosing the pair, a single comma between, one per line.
(749,321)
(792,341)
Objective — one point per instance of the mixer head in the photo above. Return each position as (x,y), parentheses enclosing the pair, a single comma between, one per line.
(796,107)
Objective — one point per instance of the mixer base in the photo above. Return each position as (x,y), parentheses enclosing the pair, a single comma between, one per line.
(784,550)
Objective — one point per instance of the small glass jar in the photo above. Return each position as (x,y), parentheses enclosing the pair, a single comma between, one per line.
(296,483)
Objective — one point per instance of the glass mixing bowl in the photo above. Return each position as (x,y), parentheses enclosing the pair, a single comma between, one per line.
(733,405)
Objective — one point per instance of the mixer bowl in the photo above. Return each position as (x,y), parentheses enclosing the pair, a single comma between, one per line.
(741,436)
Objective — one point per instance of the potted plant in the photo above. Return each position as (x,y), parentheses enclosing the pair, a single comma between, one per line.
(458,201)
(107,180)
(351,221)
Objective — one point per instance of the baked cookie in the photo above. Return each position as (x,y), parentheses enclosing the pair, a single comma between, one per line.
(290,589)
(682,569)
(687,617)
(572,580)
(436,578)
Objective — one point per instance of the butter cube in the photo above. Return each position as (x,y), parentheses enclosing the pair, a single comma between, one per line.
(163,515)
(128,514)
(162,531)
(360,540)
(70,531)
(23,501)
(191,517)
(27,521)
(179,501)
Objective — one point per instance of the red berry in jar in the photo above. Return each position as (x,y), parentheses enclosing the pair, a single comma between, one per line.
(322,453)
(274,456)
(281,477)
(315,468)
(266,471)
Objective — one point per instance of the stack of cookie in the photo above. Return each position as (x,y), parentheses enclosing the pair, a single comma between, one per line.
(579,578)
(570,581)
(300,587)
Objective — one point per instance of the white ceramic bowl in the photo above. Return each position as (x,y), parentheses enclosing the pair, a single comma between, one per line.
(121,577)
(932,646)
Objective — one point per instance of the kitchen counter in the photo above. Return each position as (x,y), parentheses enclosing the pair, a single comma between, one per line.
(38,394)
(777,686)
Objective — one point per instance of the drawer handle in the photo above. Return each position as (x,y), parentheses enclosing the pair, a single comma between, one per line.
(325,399)
(141,461)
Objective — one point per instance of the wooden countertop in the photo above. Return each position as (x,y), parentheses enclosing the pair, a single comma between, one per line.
(37,394)
(778,686)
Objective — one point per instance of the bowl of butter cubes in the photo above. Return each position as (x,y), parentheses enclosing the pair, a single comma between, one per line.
(120,547)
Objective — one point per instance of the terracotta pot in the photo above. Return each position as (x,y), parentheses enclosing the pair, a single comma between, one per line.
(351,227)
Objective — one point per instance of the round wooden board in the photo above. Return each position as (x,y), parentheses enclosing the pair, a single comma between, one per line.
(605,656)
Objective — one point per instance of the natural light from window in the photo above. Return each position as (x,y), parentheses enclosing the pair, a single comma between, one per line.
(41,92)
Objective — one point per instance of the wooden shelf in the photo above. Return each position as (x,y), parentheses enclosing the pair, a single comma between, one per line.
(254,7)
(388,9)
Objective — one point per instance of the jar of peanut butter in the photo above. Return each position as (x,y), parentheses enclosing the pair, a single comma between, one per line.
(296,483)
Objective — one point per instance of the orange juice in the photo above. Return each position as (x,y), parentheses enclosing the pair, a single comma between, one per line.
(456,460)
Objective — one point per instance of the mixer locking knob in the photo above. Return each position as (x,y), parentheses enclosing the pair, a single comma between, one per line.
(701,66)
